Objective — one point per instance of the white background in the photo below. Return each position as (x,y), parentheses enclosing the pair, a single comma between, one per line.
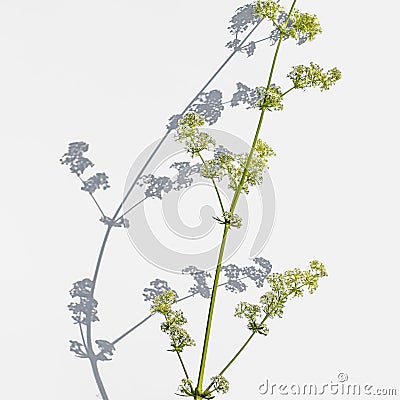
(111,73)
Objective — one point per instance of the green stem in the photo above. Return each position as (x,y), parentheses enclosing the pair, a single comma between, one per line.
(248,161)
(183,365)
(287,91)
(220,257)
(225,234)
(234,357)
(249,158)
(211,312)
(180,359)
(279,45)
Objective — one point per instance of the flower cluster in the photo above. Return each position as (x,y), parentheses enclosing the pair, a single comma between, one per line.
(303,25)
(186,388)
(300,26)
(231,219)
(219,384)
(284,286)
(253,314)
(174,320)
(188,133)
(162,303)
(267,9)
(304,76)
(293,282)
(233,165)
(271,98)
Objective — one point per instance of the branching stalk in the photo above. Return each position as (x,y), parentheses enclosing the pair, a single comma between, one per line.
(226,229)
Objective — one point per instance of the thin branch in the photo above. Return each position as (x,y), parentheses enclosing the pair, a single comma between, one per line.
(261,40)
(287,91)
(129,331)
(183,365)
(131,208)
(180,358)
(92,196)
(83,336)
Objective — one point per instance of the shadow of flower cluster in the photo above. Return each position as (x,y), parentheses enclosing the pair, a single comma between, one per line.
(158,286)
(258,273)
(74,158)
(234,275)
(245,95)
(209,105)
(242,19)
(97,181)
(200,277)
(185,172)
(86,308)
(156,186)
